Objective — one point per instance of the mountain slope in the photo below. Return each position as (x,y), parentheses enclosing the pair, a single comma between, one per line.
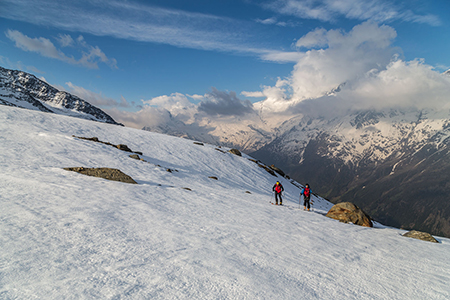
(394,164)
(69,236)
(24,90)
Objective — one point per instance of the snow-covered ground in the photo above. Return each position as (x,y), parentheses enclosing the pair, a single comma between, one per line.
(64,235)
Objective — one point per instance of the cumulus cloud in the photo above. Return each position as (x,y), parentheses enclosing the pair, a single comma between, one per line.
(349,55)
(359,69)
(148,116)
(337,57)
(402,84)
(46,48)
(179,108)
(223,103)
(177,104)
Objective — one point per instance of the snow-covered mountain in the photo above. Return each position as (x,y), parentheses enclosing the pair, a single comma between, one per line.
(198,225)
(393,163)
(24,90)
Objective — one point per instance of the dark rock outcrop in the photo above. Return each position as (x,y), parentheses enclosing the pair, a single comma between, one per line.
(278,170)
(424,236)
(106,173)
(349,213)
(235,152)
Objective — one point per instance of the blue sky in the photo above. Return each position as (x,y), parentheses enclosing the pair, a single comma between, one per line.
(124,55)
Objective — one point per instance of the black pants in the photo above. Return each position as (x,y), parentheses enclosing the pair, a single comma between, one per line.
(278,195)
(306,202)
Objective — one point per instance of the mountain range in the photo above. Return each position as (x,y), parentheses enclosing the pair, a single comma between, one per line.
(392,162)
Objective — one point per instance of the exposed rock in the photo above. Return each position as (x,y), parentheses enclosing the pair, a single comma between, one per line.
(187,189)
(135,156)
(424,236)
(270,171)
(123,148)
(106,173)
(349,213)
(278,170)
(247,192)
(198,143)
(235,152)
(213,177)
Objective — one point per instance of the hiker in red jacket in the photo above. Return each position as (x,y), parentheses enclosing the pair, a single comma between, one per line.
(278,188)
(306,192)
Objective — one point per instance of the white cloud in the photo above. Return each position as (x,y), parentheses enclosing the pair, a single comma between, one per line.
(177,104)
(147,116)
(136,21)
(316,38)
(274,21)
(46,48)
(65,40)
(346,56)
(281,56)
(177,108)
(258,94)
(401,84)
(362,10)
(40,45)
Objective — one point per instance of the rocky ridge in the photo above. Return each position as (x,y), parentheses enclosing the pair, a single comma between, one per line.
(24,90)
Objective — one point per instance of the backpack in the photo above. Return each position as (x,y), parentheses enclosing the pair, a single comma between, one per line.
(278,188)
(307,192)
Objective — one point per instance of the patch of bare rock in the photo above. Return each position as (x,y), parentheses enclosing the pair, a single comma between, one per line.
(349,213)
(424,236)
(106,173)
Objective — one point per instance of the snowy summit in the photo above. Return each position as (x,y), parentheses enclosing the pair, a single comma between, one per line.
(197,225)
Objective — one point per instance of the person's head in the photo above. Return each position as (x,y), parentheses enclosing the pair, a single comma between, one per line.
(278,182)
(307,185)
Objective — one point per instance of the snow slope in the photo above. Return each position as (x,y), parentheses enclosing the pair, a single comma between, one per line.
(68,236)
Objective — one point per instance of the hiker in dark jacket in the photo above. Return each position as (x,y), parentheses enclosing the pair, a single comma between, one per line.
(306,192)
(278,188)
